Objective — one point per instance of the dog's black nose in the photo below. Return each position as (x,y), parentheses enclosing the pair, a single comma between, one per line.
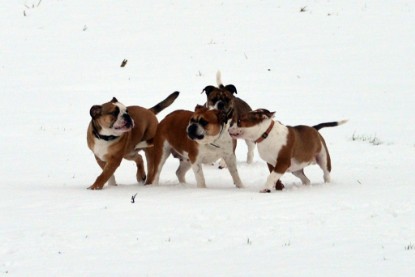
(192,132)
(221,105)
(128,120)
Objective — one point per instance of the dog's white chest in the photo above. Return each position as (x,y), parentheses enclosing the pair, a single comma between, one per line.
(209,153)
(269,148)
(101,149)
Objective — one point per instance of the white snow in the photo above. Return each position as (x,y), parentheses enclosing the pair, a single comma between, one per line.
(336,60)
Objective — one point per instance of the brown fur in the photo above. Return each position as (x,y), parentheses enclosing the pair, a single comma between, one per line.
(303,145)
(225,95)
(125,146)
(178,133)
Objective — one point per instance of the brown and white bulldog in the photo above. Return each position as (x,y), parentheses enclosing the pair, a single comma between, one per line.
(284,148)
(116,132)
(222,98)
(195,138)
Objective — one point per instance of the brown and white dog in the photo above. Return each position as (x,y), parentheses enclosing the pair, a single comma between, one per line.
(116,132)
(195,138)
(284,148)
(222,98)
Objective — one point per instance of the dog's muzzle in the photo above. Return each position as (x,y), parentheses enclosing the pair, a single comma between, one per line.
(195,132)
(220,105)
(125,124)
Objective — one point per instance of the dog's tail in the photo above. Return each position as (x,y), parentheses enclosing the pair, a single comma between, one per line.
(329,124)
(165,103)
(219,79)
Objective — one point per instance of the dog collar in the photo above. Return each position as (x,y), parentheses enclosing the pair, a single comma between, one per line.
(106,138)
(99,136)
(265,135)
(220,135)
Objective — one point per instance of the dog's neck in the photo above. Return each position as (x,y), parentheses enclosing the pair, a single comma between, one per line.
(96,133)
(224,127)
(266,133)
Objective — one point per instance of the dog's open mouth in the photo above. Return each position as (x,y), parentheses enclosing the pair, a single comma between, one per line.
(125,127)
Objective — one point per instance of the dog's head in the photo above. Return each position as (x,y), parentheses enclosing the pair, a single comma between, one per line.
(206,125)
(245,125)
(111,118)
(220,98)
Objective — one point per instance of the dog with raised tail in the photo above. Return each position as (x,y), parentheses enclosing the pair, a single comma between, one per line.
(117,132)
(284,148)
(223,98)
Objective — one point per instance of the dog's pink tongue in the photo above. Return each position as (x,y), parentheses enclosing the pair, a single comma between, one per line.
(123,127)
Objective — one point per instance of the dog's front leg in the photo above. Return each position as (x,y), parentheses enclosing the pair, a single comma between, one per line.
(231,162)
(198,171)
(106,175)
(111,181)
(273,179)
(250,155)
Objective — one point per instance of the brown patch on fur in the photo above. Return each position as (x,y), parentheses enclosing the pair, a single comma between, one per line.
(279,185)
(252,118)
(178,139)
(306,142)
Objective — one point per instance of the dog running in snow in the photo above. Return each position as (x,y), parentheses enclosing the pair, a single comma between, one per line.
(195,138)
(116,132)
(284,148)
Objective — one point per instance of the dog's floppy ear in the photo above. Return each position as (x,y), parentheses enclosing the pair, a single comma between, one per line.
(95,111)
(208,90)
(231,88)
(198,107)
(267,113)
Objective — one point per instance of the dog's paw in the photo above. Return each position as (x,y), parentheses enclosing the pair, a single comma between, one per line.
(94,187)
(265,191)
(279,185)
(240,186)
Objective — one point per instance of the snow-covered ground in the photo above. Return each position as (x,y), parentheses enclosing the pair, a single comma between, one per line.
(335,60)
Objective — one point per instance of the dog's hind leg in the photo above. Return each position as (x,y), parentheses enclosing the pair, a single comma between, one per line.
(138,159)
(250,155)
(324,161)
(300,174)
(141,174)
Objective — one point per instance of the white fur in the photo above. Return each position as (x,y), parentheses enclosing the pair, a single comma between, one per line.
(142,144)
(270,147)
(101,148)
(119,122)
(218,78)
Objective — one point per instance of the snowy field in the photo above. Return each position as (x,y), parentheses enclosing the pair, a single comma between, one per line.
(310,61)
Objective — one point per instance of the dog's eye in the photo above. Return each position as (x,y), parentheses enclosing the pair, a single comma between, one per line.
(115,112)
(238,122)
(203,122)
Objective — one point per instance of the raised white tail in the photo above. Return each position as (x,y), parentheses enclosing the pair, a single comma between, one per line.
(219,78)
